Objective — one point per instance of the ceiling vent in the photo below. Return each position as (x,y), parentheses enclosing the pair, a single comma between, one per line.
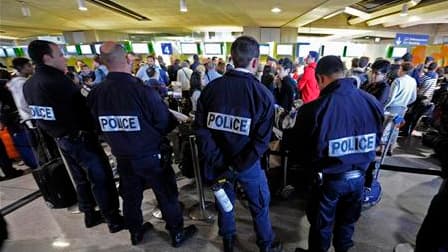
(111,5)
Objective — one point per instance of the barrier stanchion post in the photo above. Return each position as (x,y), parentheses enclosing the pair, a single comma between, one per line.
(204,210)
(286,190)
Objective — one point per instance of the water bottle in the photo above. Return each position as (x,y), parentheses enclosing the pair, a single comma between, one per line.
(222,198)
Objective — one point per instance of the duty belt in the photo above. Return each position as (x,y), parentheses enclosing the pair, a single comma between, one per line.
(343,176)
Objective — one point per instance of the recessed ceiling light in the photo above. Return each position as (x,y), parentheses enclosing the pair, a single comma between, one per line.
(82,5)
(183,6)
(404,10)
(276,10)
(25,10)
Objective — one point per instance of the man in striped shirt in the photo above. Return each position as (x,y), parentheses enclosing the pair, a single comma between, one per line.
(422,105)
(428,82)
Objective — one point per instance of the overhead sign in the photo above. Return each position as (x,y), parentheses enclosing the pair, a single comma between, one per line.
(167,48)
(411,39)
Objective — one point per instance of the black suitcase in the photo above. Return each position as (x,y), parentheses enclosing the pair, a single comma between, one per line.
(55,184)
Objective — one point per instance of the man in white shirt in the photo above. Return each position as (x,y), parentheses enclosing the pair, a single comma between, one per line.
(211,73)
(183,76)
(15,85)
(403,92)
(22,133)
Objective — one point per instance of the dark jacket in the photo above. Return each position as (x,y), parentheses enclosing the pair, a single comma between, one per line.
(233,122)
(172,71)
(56,102)
(132,116)
(339,131)
(286,94)
(9,115)
(380,90)
(268,81)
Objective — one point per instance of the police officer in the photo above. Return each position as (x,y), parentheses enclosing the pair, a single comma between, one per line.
(336,136)
(233,123)
(134,120)
(61,111)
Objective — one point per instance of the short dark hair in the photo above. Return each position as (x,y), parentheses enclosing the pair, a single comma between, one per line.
(38,48)
(98,59)
(151,71)
(363,61)
(407,57)
(329,65)
(286,63)
(382,66)
(243,50)
(19,63)
(151,56)
(432,66)
(407,67)
(267,69)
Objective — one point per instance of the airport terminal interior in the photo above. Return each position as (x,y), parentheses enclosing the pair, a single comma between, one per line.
(185,48)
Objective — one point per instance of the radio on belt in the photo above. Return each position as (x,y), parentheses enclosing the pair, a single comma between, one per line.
(119,123)
(229,123)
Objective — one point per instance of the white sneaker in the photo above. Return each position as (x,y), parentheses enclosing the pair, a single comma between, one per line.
(404,247)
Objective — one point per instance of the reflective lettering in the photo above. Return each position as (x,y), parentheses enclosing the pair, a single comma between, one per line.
(119,123)
(42,113)
(229,123)
(362,143)
(211,118)
(352,145)
(219,120)
(236,124)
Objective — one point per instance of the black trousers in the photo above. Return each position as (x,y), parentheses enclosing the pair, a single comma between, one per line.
(433,233)
(92,174)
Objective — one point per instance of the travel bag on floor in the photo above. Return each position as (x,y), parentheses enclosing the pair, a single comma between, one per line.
(55,184)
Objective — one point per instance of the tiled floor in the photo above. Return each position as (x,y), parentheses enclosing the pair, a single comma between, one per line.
(396,219)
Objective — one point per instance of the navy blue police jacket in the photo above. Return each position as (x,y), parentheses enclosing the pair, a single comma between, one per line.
(132,116)
(233,123)
(339,131)
(56,103)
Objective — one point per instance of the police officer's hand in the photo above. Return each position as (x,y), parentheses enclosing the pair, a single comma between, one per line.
(228,175)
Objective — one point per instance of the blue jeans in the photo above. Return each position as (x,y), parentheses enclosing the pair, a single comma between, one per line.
(334,207)
(254,182)
(21,139)
(91,172)
(135,174)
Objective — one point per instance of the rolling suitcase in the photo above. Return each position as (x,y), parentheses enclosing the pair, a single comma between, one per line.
(55,185)
(53,179)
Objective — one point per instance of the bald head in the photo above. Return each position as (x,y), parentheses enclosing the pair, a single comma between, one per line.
(114,57)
